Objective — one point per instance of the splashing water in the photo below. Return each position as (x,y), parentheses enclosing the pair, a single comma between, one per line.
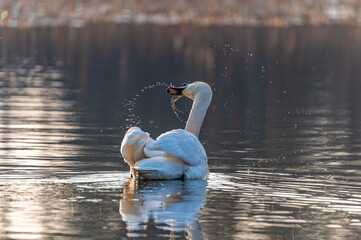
(176,110)
(133,119)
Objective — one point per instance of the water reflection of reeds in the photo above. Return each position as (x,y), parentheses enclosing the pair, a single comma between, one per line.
(275,89)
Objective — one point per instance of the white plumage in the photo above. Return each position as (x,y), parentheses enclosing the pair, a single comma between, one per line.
(177,153)
(181,144)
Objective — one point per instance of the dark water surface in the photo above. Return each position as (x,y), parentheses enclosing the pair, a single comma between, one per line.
(283,133)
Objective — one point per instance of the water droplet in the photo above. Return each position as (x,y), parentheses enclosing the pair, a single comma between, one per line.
(176,111)
(132,119)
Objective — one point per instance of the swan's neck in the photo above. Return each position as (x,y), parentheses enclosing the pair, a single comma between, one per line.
(197,114)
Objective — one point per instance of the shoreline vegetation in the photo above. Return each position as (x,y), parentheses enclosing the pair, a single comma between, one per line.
(273,13)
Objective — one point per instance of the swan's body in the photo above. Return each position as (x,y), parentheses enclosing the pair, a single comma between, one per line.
(177,154)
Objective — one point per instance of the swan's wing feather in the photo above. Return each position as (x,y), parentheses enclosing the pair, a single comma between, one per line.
(133,144)
(183,145)
(179,143)
(151,150)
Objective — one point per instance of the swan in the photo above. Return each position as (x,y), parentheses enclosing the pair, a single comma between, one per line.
(176,154)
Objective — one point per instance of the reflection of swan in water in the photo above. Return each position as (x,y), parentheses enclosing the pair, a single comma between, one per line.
(177,153)
(169,206)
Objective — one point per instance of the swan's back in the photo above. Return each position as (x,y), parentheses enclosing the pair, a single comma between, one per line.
(182,145)
(184,157)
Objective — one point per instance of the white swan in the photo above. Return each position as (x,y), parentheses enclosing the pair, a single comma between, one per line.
(177,154)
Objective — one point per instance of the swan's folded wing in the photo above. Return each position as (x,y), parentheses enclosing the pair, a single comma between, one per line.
(183,145)
(152,152)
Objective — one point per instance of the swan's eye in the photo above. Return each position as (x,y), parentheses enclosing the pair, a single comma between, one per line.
(184,84)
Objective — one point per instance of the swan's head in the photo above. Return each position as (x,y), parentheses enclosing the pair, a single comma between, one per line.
(192,90)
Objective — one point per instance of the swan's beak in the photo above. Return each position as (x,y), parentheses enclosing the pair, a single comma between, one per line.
(175,90)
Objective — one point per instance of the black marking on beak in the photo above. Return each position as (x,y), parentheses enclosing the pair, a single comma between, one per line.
(175,90)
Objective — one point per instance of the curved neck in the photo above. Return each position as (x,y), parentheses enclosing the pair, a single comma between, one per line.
(197,114)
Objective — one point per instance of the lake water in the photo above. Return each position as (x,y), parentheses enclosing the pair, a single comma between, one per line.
(282,134)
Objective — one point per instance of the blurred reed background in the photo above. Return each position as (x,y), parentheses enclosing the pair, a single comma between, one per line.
(280,13)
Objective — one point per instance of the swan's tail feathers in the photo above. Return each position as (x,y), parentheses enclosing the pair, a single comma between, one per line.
(132,148)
